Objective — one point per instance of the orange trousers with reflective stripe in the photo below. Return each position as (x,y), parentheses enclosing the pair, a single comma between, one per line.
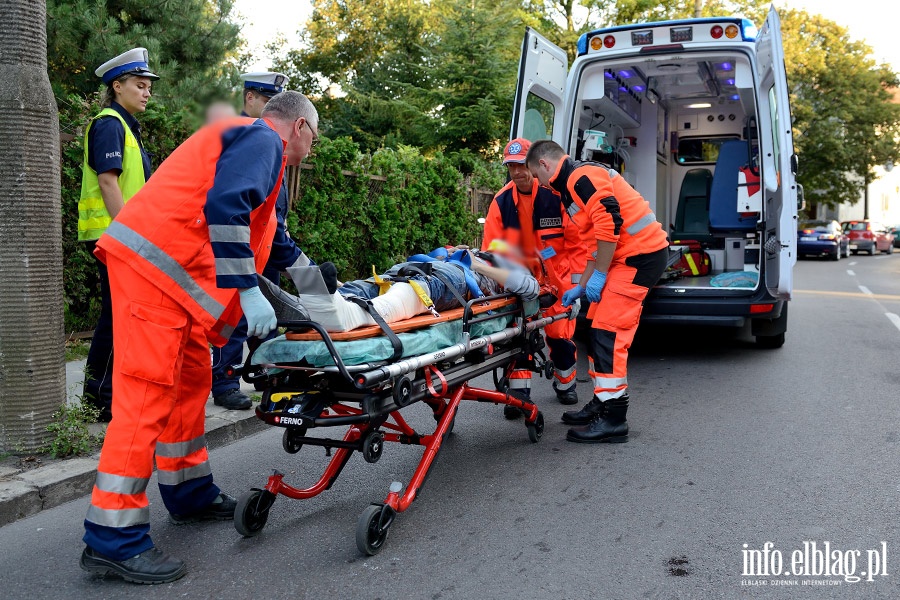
(161,382)
(615,319)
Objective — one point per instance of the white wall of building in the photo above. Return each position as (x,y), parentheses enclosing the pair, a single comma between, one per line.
(884,200)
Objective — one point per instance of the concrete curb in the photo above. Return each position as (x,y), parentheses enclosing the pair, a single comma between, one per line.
(26,493)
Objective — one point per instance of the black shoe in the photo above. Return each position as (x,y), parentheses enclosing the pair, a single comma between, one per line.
(329,274)
(569,396)
(151,566)
(233,399)
(221,509)
(592,410)
(610,428)
(511,412)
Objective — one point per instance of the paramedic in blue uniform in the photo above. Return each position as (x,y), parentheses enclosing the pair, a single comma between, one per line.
(258,89)
(115,167)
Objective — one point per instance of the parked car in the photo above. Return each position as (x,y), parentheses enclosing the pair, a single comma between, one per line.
(896,233)
(822,238)
(868,236)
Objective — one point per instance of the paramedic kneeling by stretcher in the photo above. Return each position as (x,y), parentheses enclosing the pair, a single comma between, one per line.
(631,249)
(434,282)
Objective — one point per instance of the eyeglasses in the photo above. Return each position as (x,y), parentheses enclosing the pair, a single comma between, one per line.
(315,140)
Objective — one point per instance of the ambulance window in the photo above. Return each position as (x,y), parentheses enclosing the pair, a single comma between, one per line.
(776,127)
(538,119)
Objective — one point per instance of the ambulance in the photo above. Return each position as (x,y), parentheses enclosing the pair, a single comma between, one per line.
(694,114)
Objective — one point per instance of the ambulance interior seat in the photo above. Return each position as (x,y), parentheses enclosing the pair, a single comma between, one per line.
(723,209)
(692,214)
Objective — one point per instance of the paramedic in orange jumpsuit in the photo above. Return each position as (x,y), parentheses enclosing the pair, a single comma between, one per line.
(183,257)
(532,218)
(631,251)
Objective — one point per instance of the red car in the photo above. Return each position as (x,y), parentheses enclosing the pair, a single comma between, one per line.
(868,236)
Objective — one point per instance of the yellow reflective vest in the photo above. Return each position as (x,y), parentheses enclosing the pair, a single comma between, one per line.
(93,219)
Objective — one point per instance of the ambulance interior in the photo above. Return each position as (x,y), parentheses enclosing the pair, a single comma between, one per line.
(683,132)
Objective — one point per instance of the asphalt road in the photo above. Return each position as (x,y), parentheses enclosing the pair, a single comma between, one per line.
(730,446)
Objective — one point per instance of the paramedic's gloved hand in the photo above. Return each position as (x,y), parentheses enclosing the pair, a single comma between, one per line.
(572,295)
(259,313)
(595,286)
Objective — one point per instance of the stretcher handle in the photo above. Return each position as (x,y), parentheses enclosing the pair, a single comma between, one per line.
(468,312)
(329,343)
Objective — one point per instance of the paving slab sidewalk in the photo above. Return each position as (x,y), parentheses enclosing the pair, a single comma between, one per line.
(27,491)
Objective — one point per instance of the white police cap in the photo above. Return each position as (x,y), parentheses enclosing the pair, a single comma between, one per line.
(134,61)
(267,83)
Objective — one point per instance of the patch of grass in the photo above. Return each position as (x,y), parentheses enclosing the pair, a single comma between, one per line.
(71,435)
(76,350)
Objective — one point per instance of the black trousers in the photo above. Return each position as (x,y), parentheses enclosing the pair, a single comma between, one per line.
(98,370)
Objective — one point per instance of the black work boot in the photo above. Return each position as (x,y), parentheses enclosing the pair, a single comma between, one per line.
(611,427)
(233,399)
(150,566)
(592,410)
(220,509)
(569,396)
(511,412)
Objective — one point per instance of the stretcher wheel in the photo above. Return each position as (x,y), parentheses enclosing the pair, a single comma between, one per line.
(373,446)
(289,440)
(548,369)
(536,429)
(372,528)
(403,392)
(252,512)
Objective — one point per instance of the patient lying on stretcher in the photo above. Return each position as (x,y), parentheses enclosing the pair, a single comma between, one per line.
(428,283)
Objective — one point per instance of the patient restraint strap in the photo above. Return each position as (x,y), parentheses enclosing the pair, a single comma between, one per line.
(424,297)
(435,273)
(429,369)
(396,344)
(383,285)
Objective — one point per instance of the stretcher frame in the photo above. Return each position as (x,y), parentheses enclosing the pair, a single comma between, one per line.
(368,398)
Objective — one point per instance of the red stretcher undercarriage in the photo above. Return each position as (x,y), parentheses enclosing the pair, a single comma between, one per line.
(368,398)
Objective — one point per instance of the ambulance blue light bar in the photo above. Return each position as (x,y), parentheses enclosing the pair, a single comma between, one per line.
(652,36)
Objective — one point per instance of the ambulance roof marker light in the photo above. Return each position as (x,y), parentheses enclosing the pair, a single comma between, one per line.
(596,43)
(716,31)
(609,41)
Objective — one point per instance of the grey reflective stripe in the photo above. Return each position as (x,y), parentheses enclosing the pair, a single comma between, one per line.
(235,266)
(520,384)
(610,382)
(180,449)
(226,331)
(645,221)
(125,517)
(572,209)
(239,234)
(562,387)
(119,484)
(604,396)
(566,373)
(182,475)
(576,277)
(165,263)
(613,173)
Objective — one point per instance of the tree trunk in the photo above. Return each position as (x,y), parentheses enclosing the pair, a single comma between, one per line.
(32,341)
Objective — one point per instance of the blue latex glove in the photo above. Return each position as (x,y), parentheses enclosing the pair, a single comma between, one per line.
(570,296)
(259,313)
(595,286)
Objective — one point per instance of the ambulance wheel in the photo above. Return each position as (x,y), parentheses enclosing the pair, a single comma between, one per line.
(536,429)
(290,441)
(252,512)
(372,528)
(373,446)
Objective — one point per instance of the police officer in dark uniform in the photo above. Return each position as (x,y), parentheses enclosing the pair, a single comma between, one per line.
(115,167)
(258,89)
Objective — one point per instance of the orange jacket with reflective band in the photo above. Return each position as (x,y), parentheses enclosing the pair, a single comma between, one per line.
(163,235)
(606,208)
(556,237)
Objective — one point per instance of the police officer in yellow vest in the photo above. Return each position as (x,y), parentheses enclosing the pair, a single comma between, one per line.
(115,167)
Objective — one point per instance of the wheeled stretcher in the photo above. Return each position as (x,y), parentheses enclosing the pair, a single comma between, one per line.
(361,380)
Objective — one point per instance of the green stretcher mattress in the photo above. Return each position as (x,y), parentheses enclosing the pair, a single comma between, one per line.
(376,349)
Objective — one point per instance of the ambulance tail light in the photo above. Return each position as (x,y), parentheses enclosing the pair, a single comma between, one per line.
(757,309)
(716,32)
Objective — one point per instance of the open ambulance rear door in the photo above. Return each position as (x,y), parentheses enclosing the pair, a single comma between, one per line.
(540,91)
(778,161)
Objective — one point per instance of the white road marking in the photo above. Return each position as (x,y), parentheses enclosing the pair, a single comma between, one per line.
(851,273)
(853,263)
(865,290)
(893,319)
(882,256)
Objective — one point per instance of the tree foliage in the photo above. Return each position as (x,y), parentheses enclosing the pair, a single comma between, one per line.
(193,44)
(845,120)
